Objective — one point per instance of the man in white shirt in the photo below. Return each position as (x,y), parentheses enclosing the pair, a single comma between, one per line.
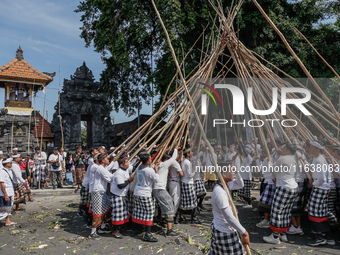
(188,195)
(317,204)
(174,183)
(63,154)
(245,171)
(284,196)
(6,192)
(120,196)
(40,158)
(85,196)
(101,205)
(144,206)
(56,166)
(199,184)
(18,181)
(224,227)
(269,190)
(160,193)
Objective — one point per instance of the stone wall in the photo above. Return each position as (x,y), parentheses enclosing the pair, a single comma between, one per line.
(21,128)
(82,96)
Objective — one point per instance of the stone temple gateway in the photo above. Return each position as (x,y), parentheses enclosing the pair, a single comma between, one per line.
(82,99)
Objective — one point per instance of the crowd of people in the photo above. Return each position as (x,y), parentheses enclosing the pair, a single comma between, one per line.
(299,178)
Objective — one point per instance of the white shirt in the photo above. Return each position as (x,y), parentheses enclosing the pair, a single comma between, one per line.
(284,171)
(86,180)
(193,161)
(245,169)
(54,157)
(113,166)
(208,159)
(237,183)
(173,172)
(4,177)
(163,170)
(92,170)
(220,201)
(16,173)
(119,177)
(321,178)
(101,178)
(187,171)
(266,170)
(41,158)
(146,176)
(274,155)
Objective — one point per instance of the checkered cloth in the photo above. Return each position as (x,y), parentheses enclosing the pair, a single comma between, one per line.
(21,197)
(36,174)
(143,210)
(268,194)
(100,202)
(317,203)
(297,209)
(225,243)
(245,191)
(199,188)
(120,209)
(85,197)
(188,197)
(26,187)
(281,208)
(331,204)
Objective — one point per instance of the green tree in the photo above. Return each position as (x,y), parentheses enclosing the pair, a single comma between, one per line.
(127,32)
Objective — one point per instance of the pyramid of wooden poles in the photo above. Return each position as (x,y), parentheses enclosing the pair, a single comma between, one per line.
(180,108)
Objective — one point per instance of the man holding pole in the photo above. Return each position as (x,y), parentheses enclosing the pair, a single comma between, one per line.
(40,163)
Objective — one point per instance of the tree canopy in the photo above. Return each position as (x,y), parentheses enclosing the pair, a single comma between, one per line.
(128,35)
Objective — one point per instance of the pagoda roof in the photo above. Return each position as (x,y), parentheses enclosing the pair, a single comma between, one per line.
(47,133)
(18,70)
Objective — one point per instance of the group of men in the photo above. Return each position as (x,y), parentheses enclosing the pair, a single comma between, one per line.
(166,187)
(299,178)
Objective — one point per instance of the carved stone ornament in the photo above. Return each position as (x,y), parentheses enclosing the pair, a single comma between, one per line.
(20,54)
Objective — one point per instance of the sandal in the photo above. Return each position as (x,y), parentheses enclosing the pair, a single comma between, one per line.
(30,200)
(20,210)
(12,223)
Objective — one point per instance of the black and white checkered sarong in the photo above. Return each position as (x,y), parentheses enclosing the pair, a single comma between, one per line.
(36,174)
(101,205)
(297,209)
(85,197)
(331,204)
(225,243)
(120,209)
(281,208)
(143,210)
(188,197)
(317,203)
(199,188)
(245,191)
(268,194)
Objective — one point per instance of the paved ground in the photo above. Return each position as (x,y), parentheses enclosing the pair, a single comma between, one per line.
(50,225)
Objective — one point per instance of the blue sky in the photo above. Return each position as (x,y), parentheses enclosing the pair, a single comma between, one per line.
(48,33)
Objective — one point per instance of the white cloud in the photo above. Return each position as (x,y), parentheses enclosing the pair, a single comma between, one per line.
(41,16)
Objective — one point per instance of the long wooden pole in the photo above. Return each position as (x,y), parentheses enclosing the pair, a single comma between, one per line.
(298,60)
(197,117)
(61,124)
(12,134)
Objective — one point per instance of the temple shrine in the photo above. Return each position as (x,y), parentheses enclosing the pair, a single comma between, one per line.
(17,119)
